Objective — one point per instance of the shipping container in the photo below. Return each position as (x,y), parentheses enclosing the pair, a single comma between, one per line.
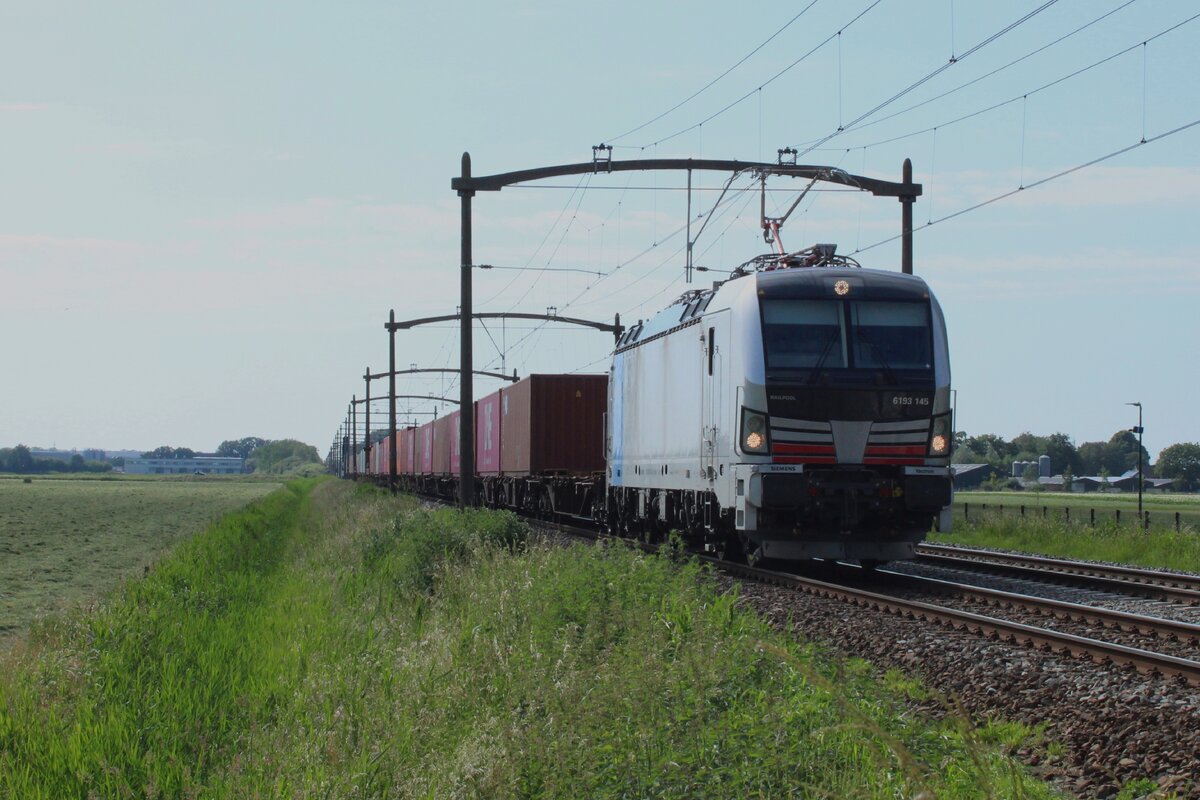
(487,435)
(404,465)
(552,424)
(423,458)
(379,457)
(456,442)
(442,440)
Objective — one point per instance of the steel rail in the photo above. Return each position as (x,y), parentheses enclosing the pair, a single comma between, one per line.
(1060,609)
(1144,661)
(1179,590)
(1136,574)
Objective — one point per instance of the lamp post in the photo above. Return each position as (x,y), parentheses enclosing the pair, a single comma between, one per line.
(1138,430)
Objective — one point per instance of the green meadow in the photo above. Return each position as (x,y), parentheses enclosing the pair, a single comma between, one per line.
(994,519)
(65,541)
(334,641)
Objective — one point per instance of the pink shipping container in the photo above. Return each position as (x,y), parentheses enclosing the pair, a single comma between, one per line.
(553,424)
(404,464)
(442,441)
(487,435)
(456,442)
(423,460)
(379,457)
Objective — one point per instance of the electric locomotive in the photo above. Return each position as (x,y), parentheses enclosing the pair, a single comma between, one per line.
(799,410)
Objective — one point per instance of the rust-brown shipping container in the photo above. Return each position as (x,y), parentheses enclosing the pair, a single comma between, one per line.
(443,436)
(553,424)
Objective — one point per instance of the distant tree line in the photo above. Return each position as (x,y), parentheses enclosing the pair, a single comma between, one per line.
(262,455)
(276,457)
(170,452)
(1115,457)
(21,460)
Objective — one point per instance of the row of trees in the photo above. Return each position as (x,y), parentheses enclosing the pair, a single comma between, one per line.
(1114,457)
(20,459)
(262,455)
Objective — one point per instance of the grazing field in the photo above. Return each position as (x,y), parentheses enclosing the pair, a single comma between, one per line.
(333,641)
(1162,507)
(66,541)
(1160,547)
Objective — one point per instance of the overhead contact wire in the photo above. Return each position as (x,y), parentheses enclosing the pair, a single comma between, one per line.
(714,81)
(1047,179)
(921,81)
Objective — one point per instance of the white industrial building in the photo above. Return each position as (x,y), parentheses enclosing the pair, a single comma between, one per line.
(206,465)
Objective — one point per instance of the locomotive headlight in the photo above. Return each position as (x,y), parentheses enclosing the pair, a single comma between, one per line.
(754,432)
(939,436)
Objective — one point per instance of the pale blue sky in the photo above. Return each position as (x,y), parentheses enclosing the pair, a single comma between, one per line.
(207,210)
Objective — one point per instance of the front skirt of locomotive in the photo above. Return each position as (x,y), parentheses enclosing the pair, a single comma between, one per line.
(790,511)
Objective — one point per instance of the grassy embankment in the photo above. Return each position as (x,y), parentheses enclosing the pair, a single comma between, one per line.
(65,539)
(1127,543)
(335,642)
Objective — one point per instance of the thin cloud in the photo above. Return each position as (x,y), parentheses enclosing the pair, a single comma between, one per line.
(18,108)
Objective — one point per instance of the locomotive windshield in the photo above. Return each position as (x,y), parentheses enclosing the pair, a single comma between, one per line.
(815,335)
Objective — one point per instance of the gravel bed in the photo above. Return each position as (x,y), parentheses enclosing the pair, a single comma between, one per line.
(1114,724)
(1189,649)
(1129,603)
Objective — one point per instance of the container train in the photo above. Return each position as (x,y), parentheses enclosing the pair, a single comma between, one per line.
(798,410)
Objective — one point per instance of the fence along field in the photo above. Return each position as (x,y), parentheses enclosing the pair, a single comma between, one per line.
(995,519)
(65,542)
(1165,511)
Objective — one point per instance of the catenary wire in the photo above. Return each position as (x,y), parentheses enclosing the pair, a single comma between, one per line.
(1031,92)
(765,83)
(1040,182)
(987,75)
(939,70)
(711,83)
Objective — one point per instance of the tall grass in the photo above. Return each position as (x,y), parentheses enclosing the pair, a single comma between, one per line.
(1157,548)
(334,642)
(142,696)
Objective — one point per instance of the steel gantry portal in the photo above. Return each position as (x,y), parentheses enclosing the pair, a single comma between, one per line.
(467,185)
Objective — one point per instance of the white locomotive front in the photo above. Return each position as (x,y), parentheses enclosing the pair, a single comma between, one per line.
(790,412)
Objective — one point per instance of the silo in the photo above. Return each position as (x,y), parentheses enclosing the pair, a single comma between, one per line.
(1043,466)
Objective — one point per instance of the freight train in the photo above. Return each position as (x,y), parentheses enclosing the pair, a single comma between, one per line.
(799,409)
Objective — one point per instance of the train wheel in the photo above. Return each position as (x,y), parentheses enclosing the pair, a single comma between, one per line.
(731,548)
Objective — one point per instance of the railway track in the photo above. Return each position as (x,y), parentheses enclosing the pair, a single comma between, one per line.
(1098,651)
(1154,584)
(1173,637)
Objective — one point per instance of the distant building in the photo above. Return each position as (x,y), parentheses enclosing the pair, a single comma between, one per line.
(1126,482)
(206,465)
(970,476)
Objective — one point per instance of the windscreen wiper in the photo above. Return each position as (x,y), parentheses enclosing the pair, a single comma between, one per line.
(877,352)
(825,351)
